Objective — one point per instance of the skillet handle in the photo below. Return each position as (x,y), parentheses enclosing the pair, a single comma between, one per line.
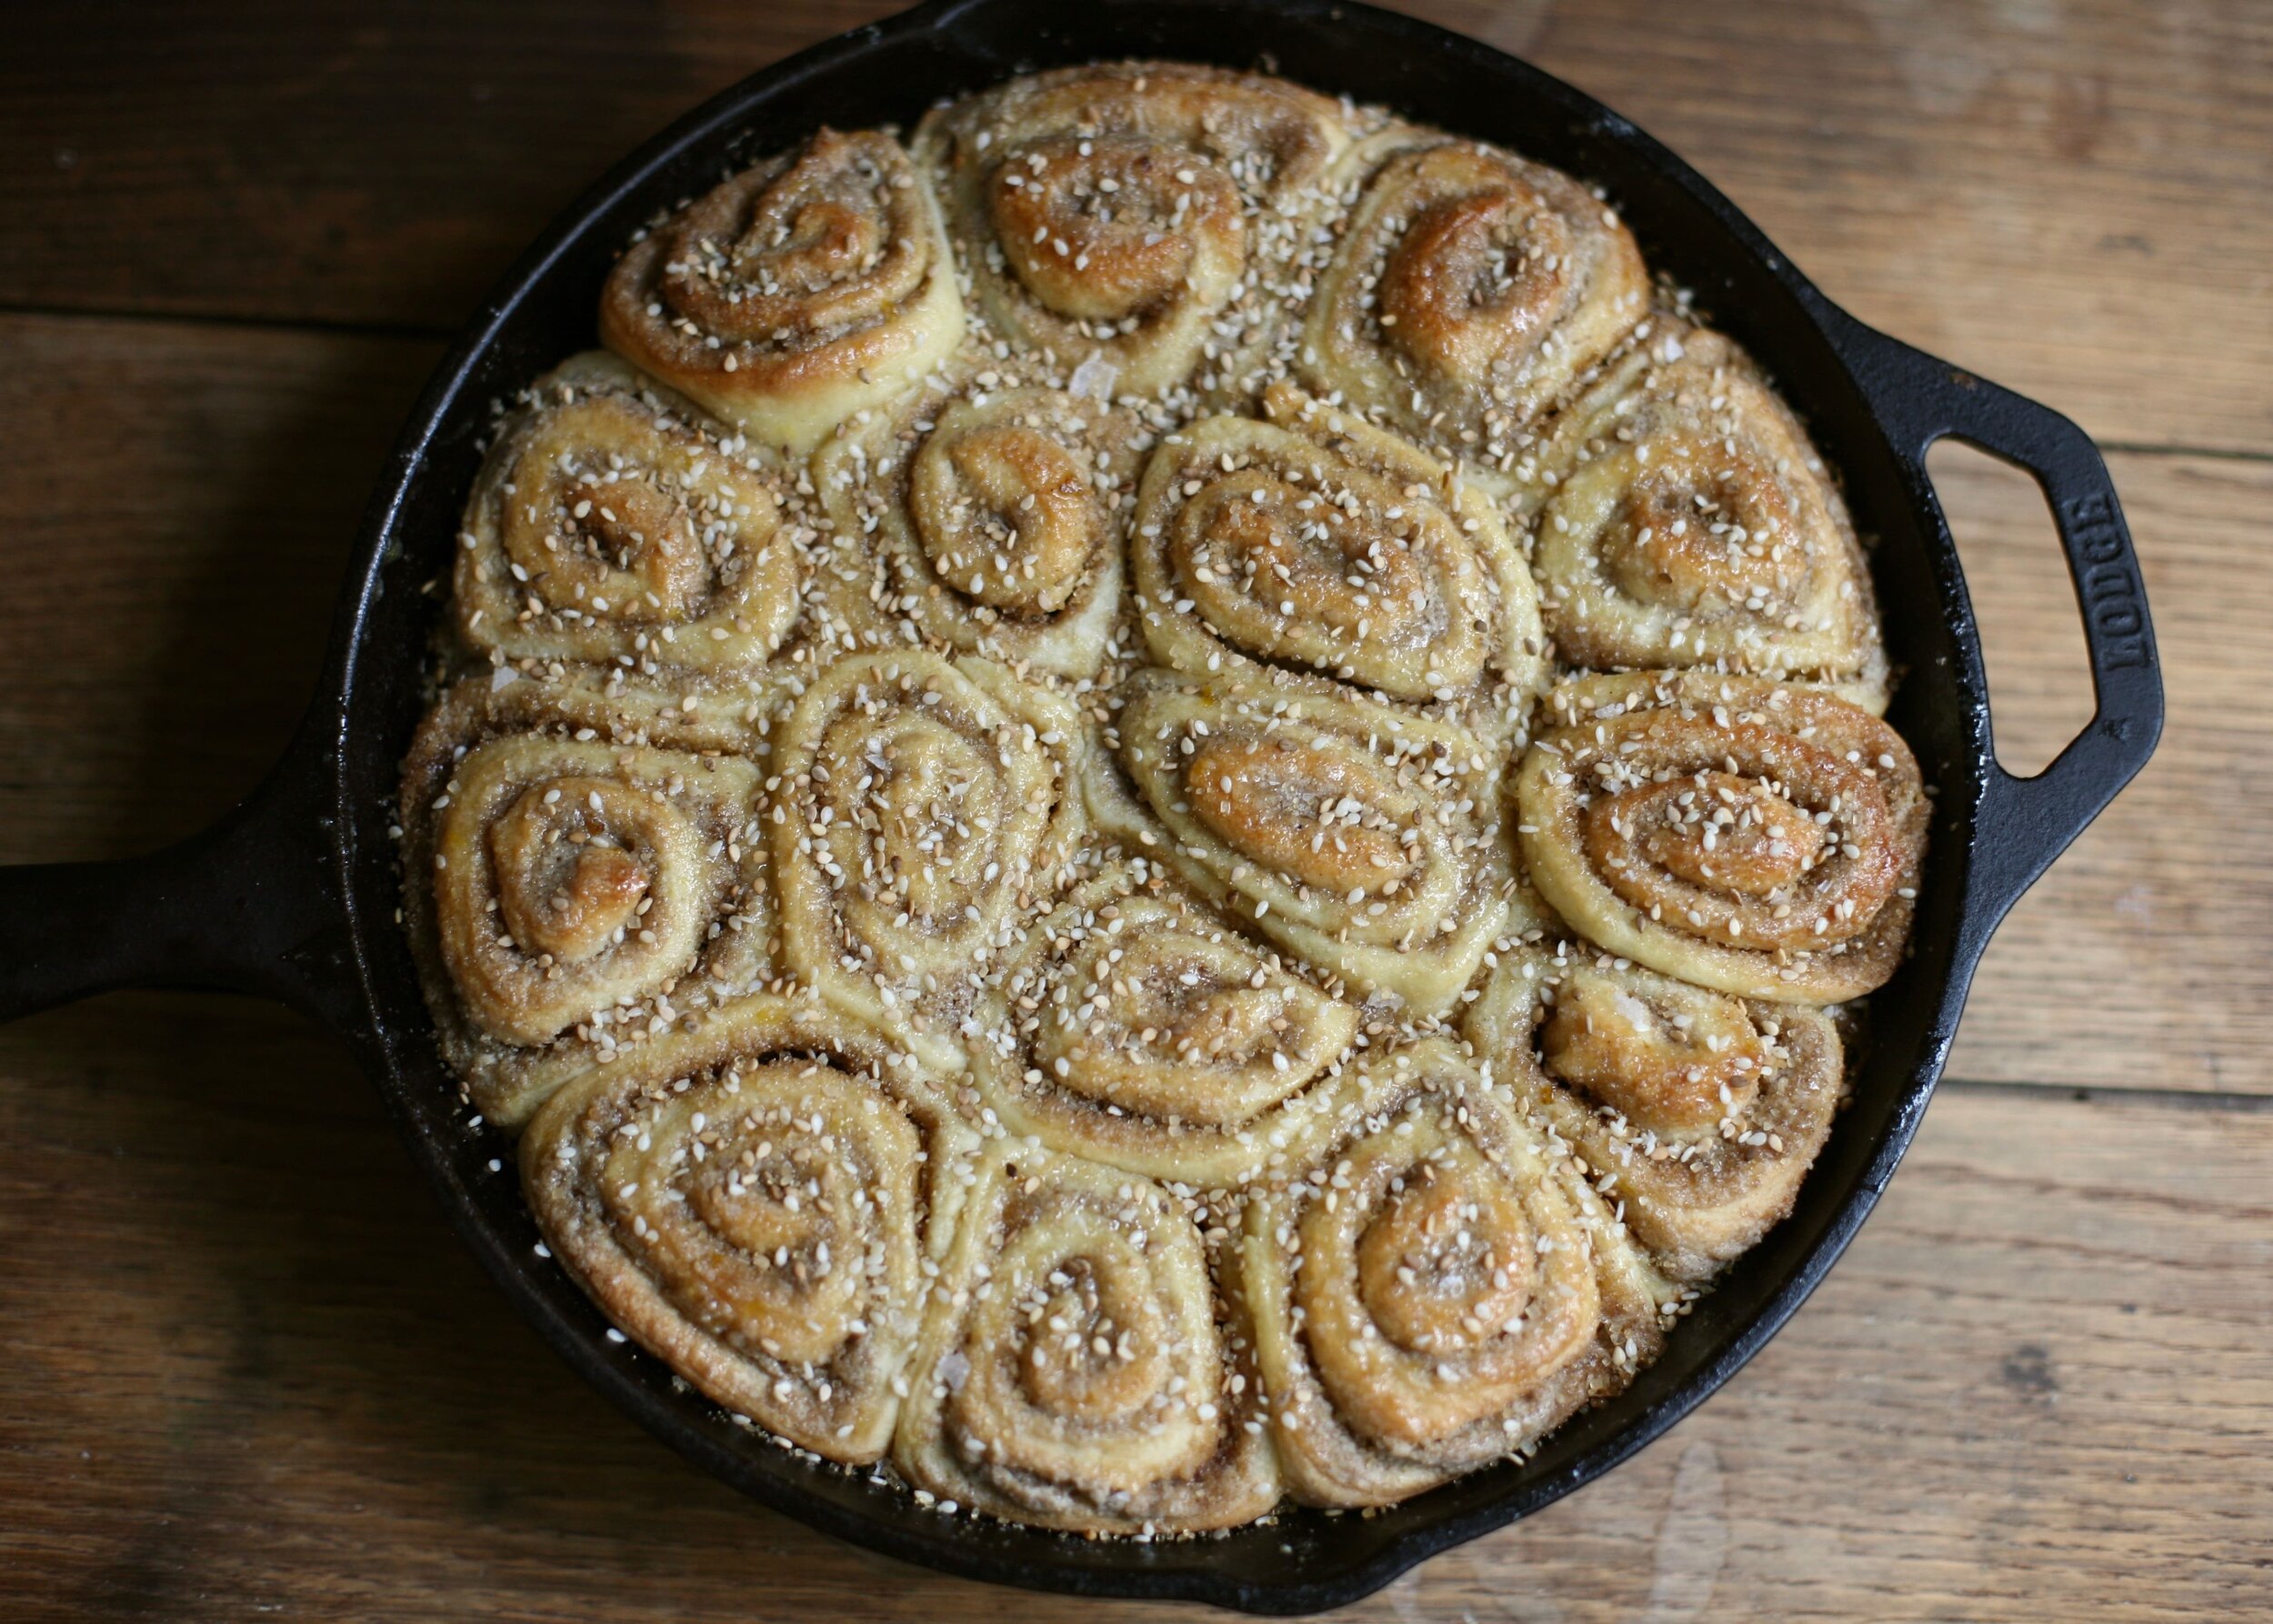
(249,904)
(2034,819)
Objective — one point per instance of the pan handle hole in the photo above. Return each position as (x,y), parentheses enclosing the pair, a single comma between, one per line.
(2032,640)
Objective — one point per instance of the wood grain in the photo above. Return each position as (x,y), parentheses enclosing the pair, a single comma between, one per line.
(175,505)
(2144,958)
(376,163)
(2065,195)
(251,1371)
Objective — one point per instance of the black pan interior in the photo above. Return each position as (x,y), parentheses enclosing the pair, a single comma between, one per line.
(890,74)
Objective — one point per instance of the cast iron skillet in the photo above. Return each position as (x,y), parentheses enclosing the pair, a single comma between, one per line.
(294,894)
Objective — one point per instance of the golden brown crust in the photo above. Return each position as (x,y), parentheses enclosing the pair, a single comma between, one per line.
(1471,291)
(1128,216)
(588,870)
(795,294)
(1077,1370)
(1680,516)
(983,519)
(1366,841)
(1697,1114)
(1315,543)
(755,1203)
(1754,837)
(1438,1290)
(613,521)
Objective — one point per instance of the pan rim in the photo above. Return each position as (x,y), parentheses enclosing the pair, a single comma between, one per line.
(1175,1570)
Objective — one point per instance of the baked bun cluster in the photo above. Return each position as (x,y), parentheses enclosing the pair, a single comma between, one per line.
(1154,801)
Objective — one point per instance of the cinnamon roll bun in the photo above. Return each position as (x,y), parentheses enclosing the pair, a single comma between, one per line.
(587,872)
(923,809)
(1129,220)
(795,294)
(1133,1027)
(1751,836)
(1366,842)
(1436,1291)
(1697,1113)
(1682,518)
(973,831)
(1076,1369)
(613,521)
(757,1204)
(984,520)
(1316,543)
(1471,291)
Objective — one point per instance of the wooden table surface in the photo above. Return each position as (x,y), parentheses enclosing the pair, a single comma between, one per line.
(249,1371)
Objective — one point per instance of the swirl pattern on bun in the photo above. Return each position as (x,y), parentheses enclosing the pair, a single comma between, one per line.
(922,809)
(1312,543)
(1438,1291)
(1682,518)
(795,294)
(595,875)
(984,520)
(1752,837)
(1126,219)
(755,1203)
(1134,1028)
(1698,1112)
(1472,290)
(1077,1370)
(1366,841)
(614,521)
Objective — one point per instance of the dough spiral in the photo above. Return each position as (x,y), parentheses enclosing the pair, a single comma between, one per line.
(595,875)
(1126,219)
(1755,838)
(755,1203)
(924,808)
(1312,542)
(1436,1291)
(795,294)
(1075,1370)
(1696,1112)
(1366,841)
(1682,518)
(613,521)
(1471,291)
(1134,1028)
(984,520)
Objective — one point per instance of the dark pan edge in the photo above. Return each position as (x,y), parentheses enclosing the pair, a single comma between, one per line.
(391,1039)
